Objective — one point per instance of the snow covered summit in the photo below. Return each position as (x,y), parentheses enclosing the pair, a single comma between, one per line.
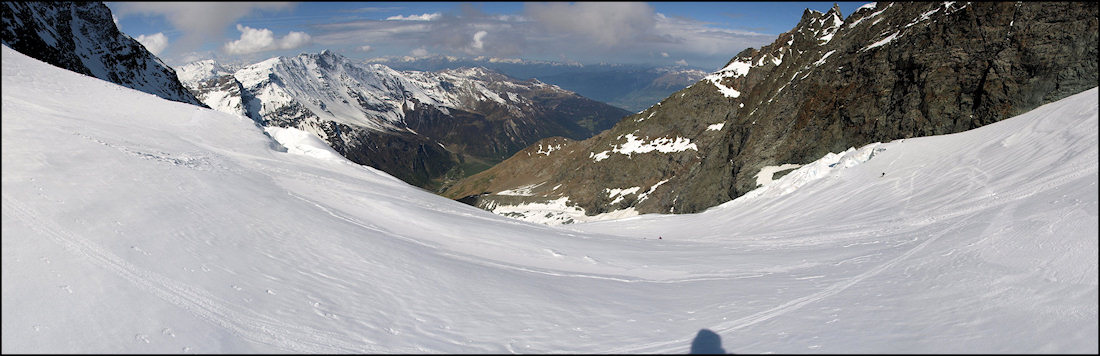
(422,127)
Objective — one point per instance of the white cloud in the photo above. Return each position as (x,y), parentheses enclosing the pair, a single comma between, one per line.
(199,21)
(419,52)
(586,32)
(682,62)
(421,17)
(608,23)
(259,40)
(366,48)
(478,44)
(699,38)
(155,43)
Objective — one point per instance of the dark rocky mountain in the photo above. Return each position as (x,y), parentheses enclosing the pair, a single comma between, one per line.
(426,128)
(632,87)
(82,37)
(889,71)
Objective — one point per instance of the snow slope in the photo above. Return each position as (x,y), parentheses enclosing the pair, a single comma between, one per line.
(136,224)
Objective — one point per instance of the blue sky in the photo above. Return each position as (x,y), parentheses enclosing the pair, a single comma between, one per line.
(700,34)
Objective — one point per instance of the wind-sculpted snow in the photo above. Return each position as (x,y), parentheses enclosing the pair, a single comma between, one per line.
(134,224)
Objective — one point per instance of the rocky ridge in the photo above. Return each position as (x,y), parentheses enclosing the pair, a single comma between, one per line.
(888,71)
(82,37)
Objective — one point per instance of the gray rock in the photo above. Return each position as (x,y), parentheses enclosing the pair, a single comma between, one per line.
(893,71)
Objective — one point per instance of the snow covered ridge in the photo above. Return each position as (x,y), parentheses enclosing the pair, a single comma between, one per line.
(375,96)
(966,238)
(198,71)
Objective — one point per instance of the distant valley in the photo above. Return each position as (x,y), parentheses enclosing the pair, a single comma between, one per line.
(633,87)
(427,128)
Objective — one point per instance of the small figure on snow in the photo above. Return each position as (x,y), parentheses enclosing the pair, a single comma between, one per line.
(883,175)
(658,237)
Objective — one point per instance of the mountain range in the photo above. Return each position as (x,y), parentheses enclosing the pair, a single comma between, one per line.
(427,128)
(633,87)
(888,71)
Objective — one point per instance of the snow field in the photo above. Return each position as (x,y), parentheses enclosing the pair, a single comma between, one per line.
(134,224)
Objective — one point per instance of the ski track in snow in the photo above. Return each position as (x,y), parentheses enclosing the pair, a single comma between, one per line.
(790,306)
(256,328)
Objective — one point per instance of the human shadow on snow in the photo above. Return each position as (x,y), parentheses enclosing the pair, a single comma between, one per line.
(707,342)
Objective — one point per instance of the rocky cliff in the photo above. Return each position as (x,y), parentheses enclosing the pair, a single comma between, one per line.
(886,72)
(82,37)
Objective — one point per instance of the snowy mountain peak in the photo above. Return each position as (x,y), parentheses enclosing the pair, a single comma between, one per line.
(425,113)
(201,70)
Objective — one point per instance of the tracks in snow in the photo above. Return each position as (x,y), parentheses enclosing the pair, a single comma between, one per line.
(247,325)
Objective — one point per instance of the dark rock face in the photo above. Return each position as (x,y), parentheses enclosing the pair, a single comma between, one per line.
(83,38)
(890,71)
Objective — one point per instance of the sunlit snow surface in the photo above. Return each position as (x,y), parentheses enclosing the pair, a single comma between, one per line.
(136,224)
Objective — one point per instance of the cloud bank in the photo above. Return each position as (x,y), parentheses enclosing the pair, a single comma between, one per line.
(199,21)
(422,17)
(260,40)
(583,31)
(608,23)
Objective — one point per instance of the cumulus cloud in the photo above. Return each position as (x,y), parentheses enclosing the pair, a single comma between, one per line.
(478,37)
(199,21)
(608,24)
(682,62)
(155,43)
(419,52)
(664,54)
(259,40)
(366,48)
(421,17)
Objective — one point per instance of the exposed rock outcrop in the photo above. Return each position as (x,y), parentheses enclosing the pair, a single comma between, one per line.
(82,37)
(888,71)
